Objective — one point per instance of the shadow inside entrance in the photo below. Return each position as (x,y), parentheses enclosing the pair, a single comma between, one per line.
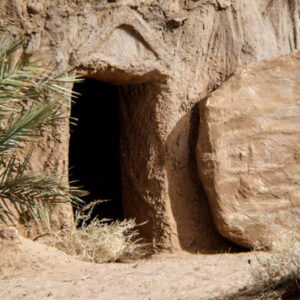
(94,150)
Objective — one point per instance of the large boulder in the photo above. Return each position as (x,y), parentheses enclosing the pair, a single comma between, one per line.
(248,151)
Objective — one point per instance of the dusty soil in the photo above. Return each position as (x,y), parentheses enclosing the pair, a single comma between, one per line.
(30,270)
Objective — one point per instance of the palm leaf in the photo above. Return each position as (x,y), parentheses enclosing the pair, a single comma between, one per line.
(19,131)
(31,101)
(32,193)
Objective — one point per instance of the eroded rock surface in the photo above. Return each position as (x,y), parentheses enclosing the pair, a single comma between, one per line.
(9,233)
(249,151)
(165,56)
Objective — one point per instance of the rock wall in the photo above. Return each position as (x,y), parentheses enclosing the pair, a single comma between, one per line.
(166,56)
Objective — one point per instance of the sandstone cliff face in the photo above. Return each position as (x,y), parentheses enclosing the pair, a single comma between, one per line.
(166,56)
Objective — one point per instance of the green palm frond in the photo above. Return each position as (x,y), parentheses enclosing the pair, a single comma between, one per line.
(31,102)
(22,80)
(31,97)
(31,193)
(24,128)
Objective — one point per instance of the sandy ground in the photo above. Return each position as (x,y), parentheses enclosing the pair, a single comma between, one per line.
(33,271)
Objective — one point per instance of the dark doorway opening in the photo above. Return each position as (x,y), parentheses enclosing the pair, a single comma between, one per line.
(94,151)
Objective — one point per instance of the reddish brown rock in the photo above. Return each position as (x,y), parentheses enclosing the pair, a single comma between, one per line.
(9,233)
(248,151)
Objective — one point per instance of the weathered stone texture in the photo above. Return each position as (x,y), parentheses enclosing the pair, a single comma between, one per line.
(248,151)
(168,55)
(9,233)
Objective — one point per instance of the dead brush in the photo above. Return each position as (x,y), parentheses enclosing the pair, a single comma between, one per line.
(281,267)
(98,241)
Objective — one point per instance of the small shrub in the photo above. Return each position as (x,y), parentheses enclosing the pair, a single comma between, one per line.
(281,267)
(97,240)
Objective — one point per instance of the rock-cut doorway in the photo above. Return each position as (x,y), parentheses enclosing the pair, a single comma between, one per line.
(94,149)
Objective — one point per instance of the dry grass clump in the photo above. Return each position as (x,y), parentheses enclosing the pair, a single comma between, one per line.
(280,268)
(98,241)
(276,274)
